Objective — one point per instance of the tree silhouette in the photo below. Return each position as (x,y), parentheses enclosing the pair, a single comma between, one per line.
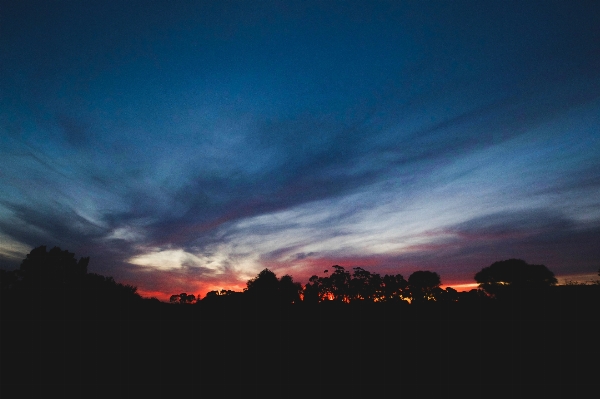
(507,275)
(365,285)
(266,287)
(448,295)
(313,290)
(55,268)
(182,298)
(289,291)
(423,285)
(395,287)
(223,292)
(99,284)
(362,285)
(337,285)
(56,274)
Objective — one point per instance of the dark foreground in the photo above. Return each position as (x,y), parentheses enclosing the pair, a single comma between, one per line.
(236,347)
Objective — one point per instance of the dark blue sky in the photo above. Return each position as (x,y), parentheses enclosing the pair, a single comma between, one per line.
(186,145)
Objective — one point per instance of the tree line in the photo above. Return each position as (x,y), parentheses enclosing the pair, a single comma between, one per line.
(502,279)
(42,270)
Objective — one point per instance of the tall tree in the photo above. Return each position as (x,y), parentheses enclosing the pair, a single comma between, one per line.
(338,284)
(365,285)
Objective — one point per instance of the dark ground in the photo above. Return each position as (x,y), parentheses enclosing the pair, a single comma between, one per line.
(236,347)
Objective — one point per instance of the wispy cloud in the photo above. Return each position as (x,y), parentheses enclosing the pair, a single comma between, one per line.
(197,149)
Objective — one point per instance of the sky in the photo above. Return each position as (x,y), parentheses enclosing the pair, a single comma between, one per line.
(184,146)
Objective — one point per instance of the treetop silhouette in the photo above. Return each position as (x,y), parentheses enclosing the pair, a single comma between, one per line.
(54,270)
(362,285)
(182,298)
(265,282)
(511,274)
(267,287)
(424,285)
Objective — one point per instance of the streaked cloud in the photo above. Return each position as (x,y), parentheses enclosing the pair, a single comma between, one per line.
(194,144)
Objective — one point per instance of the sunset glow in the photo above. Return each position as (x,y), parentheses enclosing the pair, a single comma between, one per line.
(187,147)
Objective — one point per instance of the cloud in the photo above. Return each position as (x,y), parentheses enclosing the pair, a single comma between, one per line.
(431,136)
(30,225)
(539,236)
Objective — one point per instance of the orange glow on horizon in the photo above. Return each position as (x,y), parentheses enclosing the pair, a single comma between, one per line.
(200,289)
(462,287)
